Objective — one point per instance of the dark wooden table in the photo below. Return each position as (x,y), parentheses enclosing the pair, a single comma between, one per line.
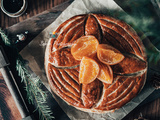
(8,108)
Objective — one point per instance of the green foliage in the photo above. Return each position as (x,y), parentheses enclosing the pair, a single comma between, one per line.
(35,94)
(5,38)
(34,91)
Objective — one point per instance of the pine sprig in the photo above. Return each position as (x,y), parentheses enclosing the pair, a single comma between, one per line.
(5,38)
(35,94)
(28,78)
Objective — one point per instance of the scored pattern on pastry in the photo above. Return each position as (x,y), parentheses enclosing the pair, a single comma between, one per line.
(129,75)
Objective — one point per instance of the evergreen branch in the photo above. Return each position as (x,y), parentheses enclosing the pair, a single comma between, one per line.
(5,38)
(34,94)
(44,111)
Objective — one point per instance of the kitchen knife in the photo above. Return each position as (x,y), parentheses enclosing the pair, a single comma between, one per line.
(12,86)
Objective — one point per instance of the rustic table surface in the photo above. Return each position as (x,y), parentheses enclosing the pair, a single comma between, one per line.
(8,110)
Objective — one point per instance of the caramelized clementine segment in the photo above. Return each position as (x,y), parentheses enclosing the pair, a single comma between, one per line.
(105,73)
(89,70)
(108,54)
(84,46)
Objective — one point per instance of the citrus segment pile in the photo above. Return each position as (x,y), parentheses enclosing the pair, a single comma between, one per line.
(91,67)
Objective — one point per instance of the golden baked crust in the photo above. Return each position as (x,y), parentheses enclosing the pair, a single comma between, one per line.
(129,75)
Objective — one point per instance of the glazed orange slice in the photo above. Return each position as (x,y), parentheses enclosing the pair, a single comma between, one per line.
(105,73)
(89,70)
(84,46)
(108,54)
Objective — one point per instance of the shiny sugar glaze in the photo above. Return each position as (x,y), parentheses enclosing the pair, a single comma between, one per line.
(63,71)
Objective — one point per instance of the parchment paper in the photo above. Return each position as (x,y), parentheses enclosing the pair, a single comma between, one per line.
(34,53)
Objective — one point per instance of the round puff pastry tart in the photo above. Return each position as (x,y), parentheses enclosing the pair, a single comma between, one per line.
(62,69)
